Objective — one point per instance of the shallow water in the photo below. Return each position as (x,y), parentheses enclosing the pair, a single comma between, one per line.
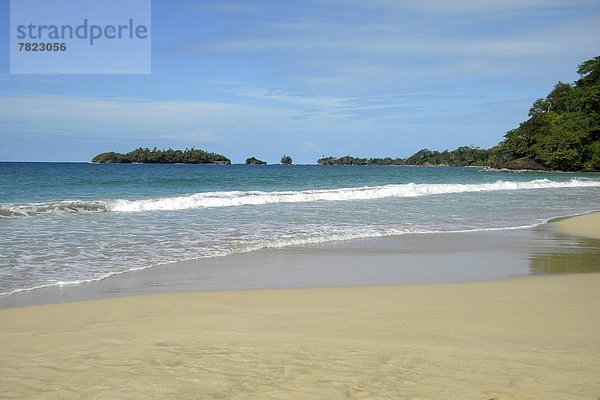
(71,223)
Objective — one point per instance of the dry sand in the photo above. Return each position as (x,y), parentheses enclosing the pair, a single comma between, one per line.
(526,338)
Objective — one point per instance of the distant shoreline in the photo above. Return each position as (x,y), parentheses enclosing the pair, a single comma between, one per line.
(166,163)
(484,167)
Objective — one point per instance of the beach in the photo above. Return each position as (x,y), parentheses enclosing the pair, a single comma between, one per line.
(300,200)
(586,226)
(530,337)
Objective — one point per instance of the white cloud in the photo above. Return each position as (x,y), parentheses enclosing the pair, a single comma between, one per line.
(581,35)
(191,121)
(455,7)
(391,46)
(310,147)
(198,135)
(83,115)
(320,102)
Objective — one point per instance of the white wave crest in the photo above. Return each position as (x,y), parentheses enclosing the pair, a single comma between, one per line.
(239,198)
(245,198)
(52,208)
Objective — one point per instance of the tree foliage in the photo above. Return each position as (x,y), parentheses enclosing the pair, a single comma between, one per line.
(563,129)
(561,133)
(255,161)
(286,160)
(169,156)
(463,156)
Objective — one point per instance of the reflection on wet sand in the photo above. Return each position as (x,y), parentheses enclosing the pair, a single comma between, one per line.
(569,255)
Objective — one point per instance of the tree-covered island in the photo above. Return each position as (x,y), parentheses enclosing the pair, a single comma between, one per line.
(562,133)
(461,157)
(169,156)
(255,161)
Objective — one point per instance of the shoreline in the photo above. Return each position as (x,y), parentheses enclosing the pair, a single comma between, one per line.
(277,248)
(518,338)
(478,255)
(585,225)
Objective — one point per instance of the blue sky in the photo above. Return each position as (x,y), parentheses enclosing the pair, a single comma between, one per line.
(307,78)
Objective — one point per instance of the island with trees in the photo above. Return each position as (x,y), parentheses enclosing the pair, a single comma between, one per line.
(255,161)
(562,133)
(155,156)
(461,157)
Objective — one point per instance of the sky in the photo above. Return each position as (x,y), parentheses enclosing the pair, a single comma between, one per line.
(307,78)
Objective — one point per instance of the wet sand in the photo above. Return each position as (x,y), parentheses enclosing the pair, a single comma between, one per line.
(404,259)
(533,337)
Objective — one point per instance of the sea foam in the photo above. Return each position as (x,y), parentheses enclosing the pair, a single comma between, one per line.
(255,198)
(239,198)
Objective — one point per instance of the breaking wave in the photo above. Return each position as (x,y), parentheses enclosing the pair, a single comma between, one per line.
(245,198)
(55,207)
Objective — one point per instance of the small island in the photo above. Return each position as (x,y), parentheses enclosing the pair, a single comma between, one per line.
(155,156)
(255,161)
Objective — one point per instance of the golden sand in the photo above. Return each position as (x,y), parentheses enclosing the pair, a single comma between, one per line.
(583,225)
(527,338)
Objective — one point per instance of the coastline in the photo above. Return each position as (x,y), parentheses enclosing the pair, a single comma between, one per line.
(143,225)
(403,259)
(521,338)
(584,226)
(481,255)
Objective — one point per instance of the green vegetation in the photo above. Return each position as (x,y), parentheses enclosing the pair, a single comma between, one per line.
(563,129)
(348,160)
(562,133)
(255,161)
(463,156)
(170,156)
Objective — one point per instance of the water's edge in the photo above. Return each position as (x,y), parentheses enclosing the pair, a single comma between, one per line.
(434,257)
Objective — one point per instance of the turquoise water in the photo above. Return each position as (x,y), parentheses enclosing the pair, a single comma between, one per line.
(74,222)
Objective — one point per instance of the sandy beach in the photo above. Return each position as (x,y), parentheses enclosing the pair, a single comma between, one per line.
(533,337)
(586,226)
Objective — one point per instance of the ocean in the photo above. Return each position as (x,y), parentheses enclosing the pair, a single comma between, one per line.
(68,223)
